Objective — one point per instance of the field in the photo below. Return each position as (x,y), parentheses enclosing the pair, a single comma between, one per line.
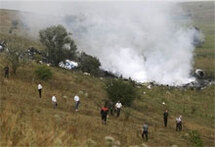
(27,120)
(203,18)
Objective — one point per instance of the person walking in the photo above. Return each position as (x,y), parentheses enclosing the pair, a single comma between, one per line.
(77,102)
(179,123)
(40,87)
(104,113)
(165,117)
(145,131)
(6,72)
(118,108)
(54,101)
(111,107)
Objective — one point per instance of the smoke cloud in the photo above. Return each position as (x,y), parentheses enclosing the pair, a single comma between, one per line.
(147,41)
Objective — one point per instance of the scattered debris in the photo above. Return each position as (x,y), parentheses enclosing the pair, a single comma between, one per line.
(32,51)
(68,64)
(149,86)
(199,73)
(86,73)
(2,46)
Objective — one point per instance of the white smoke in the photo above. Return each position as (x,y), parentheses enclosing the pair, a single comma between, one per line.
(147,41)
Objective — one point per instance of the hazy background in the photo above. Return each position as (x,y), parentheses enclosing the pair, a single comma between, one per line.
(147,41)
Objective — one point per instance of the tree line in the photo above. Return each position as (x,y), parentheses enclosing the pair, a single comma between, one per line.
(60,46)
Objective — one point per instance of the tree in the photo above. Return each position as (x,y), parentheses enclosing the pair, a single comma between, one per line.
(15,53)
(89,64)
(59,45)
(121,90)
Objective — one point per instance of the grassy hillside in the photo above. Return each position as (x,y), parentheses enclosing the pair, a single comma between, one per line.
(27,120)
(203,17)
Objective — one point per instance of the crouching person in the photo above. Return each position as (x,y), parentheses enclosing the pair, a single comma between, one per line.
(54,101)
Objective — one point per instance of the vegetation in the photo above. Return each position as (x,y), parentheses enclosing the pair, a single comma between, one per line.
(15,53)
(122,91)
(89,64)
(59,45)
(43,73)
(195,138)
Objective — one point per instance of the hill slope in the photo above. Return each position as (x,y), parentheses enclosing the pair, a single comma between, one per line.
(27,120)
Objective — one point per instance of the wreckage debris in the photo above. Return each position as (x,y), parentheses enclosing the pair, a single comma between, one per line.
(68,64)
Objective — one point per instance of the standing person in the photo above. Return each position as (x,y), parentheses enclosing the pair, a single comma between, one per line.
(179,123)
(110,106)
(165,117)
(54,101)
(104,113)
(77,101)
(145,131)
(40,89)
(6,72)
(118,107)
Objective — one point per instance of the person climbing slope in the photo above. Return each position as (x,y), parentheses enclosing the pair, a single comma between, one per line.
(165,117)
(40,87)
(104,112)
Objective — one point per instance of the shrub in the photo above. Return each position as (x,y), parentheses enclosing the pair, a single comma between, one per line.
(122,91)
(43,73)
(89,64)
(195,139)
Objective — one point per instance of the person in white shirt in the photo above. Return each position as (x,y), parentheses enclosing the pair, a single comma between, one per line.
(118,108)
(40,90)
(77,102)
(179,123)
(54,101)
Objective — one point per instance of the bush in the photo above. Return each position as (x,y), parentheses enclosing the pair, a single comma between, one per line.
(89,64)
(195,139)
(122,91)
(43,73)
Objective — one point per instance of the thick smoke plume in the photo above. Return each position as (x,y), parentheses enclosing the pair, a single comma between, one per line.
(147,41)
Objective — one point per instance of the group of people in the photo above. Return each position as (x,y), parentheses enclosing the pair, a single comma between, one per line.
(117,108)
(104,111)
(54,99)
(165,119)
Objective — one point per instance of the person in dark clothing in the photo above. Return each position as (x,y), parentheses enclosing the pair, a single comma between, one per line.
(104,113)
(110,106)
(6,72)
(165,117)
(40,89)
(145,132)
